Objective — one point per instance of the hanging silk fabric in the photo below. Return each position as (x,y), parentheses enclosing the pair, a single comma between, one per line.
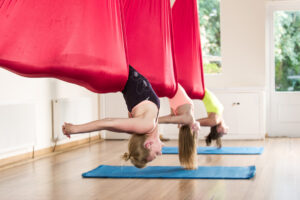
(149,41)
(81,42)
(187,47)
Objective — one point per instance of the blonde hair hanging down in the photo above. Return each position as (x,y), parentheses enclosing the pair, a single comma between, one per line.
(187,147)
(137,152)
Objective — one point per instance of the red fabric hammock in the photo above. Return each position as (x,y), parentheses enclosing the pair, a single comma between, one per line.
(82,42)
(77,41)
(187,48)
(149,41)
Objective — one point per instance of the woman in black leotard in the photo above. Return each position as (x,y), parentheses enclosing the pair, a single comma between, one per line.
(143,107)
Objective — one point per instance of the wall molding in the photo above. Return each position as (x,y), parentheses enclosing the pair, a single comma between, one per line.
(38,154)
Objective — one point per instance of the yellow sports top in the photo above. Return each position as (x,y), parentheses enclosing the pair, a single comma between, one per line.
(212,103)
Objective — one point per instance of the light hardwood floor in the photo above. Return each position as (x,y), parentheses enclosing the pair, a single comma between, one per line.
(59,176)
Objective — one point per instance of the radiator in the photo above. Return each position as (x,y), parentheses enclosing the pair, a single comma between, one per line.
(113,106)
(71,110)
(17,128)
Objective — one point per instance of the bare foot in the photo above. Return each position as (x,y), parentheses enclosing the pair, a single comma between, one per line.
(163,139)
(68,129)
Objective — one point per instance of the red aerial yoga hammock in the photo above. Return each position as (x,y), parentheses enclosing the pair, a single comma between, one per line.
(149,41)
(81,42)
(187,48)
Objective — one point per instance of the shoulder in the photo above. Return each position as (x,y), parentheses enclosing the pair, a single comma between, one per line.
(185,108)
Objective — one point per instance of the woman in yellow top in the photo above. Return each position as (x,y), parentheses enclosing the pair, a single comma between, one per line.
(214,118)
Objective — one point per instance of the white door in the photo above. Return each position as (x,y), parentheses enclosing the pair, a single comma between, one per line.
(248,114)
(283,50)
(230,103)
(243,114)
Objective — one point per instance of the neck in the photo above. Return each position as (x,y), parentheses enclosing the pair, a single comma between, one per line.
(154,133)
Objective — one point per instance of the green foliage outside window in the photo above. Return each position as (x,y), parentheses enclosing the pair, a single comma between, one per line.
(209,19)
(287,50)
(211,68)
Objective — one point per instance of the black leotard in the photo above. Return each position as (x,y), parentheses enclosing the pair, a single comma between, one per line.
(138,89)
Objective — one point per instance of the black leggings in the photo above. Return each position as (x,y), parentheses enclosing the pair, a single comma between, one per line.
(138,89)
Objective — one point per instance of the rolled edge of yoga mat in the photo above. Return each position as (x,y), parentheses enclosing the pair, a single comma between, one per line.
(222,151)
(172,172)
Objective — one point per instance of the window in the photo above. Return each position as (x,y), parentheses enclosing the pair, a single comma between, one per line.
(209,19)
(287,50)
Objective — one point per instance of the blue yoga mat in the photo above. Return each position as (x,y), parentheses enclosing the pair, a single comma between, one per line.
(215,150)
(171,172)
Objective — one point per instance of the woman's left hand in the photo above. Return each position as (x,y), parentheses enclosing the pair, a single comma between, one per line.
(195,126)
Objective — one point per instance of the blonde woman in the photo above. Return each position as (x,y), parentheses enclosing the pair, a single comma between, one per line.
(182,113)
(143,107)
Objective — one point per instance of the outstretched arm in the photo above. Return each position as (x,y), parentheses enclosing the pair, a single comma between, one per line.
(212,120)
(176,119)
(128,125)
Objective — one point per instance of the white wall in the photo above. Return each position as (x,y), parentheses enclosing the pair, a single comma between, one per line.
(242,45)
(40,91)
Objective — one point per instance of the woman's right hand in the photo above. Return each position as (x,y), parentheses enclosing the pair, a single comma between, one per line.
(67,129)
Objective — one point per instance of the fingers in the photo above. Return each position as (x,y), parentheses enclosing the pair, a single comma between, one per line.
(196,126)
(65,130)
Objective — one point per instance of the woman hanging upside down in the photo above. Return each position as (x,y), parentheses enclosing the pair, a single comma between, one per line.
(182,113)
(143,106)
(214,118)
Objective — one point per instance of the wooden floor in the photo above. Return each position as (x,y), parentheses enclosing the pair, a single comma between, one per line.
(59,176)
